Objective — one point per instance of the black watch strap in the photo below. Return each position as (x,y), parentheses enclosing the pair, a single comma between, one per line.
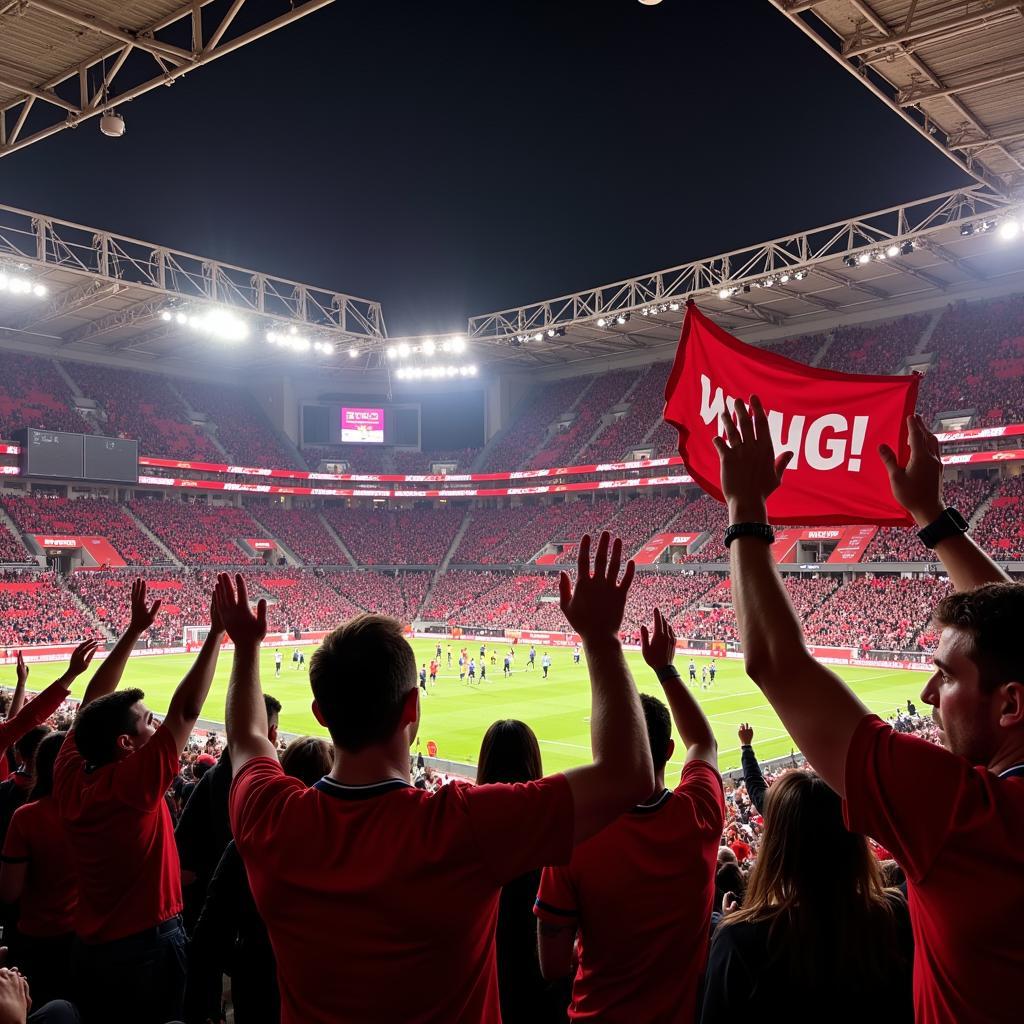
(667,672)
(760,530)
(949,524)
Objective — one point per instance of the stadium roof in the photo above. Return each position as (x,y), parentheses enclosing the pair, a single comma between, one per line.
(880,264)
(65,61)
(109,294)
(952,69)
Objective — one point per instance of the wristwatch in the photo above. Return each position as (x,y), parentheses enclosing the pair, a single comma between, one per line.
(667,672)
(760,530)
(949,524)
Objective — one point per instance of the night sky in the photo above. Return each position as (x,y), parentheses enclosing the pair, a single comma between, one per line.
(450,158)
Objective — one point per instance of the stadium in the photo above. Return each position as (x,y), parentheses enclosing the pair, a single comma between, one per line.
(170,416)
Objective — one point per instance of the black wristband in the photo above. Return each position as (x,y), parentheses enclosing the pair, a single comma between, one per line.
(949,524)
(762,531)
(667,672)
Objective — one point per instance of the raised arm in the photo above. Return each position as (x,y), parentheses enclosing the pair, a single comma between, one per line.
(107,677)
(37,711)
(918,488)
(246,712)
(659,651)
(622,773)
(187,702)
(753,777)
(18,700)
(817,708)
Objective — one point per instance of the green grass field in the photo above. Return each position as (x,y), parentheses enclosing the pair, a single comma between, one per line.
(455,715)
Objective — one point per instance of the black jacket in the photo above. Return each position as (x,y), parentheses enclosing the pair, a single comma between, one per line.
(752,778)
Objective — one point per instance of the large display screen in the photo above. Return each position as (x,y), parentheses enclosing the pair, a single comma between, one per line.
(362,426)
(111,458)
(53,453)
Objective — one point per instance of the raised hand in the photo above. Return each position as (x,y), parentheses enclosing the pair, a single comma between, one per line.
(918,485)
(82,656)
(15,1001)
(216,625)
(22,670)
(746,734)
(142,617)
(750,470)
(595,606)
(659,647)
(234,613)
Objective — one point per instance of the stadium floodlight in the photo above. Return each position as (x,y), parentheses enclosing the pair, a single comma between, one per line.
(221,324)
(726,293)
(621,318)
(674,306)
(17,284)
(458,344)
(538,336)
(404,351)
(800,275)
(892,251)
(784,279)
(392,352)
(864,257)
(966,230)
(400,374)
(602,322)
(180,318)
(166,316)
(39,290)
(353,352)
(1009,230)
(428,347)
(768,282)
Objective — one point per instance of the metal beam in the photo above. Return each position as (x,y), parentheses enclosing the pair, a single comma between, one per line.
(141,312)
(144,40)
(69,301)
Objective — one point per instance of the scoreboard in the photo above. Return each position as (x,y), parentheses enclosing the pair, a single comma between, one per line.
(66,456)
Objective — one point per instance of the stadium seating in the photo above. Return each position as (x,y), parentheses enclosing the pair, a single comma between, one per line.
(86,517)
(410,462)
(301,531)
(399,596)
(531,421)
(883,613)
(34,394)
(11,548)
(242,429)
(878,348)
(381,537)
(34,609)
(1000,530)
(200,534)
(979,361)
(144,406)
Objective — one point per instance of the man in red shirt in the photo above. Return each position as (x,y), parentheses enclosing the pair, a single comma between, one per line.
(954,818)
(339,870)
(109,783)
(23,718)
(639,893)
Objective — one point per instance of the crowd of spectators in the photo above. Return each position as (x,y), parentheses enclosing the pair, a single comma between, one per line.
(301,531)
(396,594)
(35,610)
(243,431)
(979,361)
(885,613)
(144,406)
(395,537)
(1000,530)
(409,462)
(529,426)
(34,394)
(902,545)
(12,550)
(84,517)
(568,447)
(200,534)
(877,348)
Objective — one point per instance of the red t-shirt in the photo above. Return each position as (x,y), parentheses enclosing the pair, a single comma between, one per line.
(381,901)
(32,713)
(122,837)
(36,838)
(957,831)
(641,892)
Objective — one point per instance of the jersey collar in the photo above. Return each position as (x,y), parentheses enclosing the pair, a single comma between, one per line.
(364,792)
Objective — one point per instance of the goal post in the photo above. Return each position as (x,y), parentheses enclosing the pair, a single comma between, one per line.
(195,635)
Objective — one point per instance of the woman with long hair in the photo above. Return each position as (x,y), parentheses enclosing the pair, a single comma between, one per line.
(510,753)
(38,873)
(819,937)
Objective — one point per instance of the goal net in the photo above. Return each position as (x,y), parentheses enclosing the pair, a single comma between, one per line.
(195,635)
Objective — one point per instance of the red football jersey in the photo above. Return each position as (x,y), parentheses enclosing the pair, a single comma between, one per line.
(381,901)
(957,831)
(641,892)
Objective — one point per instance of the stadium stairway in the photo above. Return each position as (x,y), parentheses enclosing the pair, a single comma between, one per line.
(90,614)
(202,421)
(926,334)
(7,523)
(605,421)
(823,351)
(332,533)
(443,567)
(68,379)
(171,559)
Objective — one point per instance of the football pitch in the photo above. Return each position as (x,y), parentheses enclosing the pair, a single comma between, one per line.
(456,715)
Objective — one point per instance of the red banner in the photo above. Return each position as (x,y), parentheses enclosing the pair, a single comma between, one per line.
(832,423)
(655,547)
